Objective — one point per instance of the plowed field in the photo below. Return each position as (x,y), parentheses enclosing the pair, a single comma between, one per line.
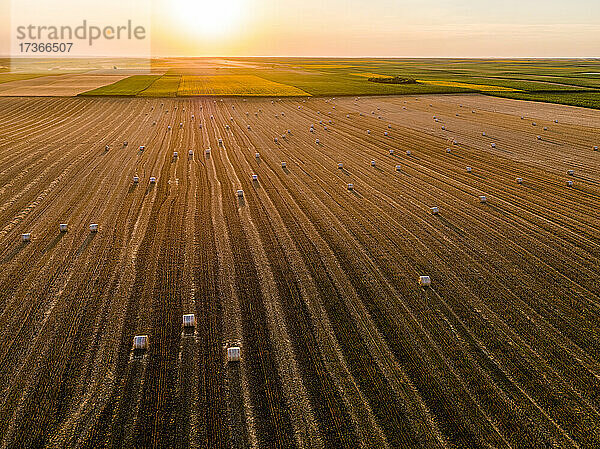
(318,285)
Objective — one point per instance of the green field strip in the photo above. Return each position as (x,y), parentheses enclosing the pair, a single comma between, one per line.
(165,86)
(127,87)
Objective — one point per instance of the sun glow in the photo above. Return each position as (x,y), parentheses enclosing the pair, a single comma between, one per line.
(210,18)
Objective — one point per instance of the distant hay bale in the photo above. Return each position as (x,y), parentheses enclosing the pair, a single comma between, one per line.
(233,354)
(189,320)
(140,342)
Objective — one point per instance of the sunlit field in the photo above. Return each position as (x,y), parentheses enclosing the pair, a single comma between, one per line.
(559,81)
(343,248)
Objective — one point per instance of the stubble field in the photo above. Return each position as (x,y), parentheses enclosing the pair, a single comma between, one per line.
(318,285)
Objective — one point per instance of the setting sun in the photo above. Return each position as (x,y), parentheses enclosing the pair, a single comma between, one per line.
(209,18)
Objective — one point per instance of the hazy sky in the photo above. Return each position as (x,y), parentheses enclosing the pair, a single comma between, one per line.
(463,28)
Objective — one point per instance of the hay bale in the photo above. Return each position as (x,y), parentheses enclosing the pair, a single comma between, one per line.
(140,342)
(189,320)
(233,354)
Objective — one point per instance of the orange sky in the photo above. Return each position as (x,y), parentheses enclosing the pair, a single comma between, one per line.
(461,28)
